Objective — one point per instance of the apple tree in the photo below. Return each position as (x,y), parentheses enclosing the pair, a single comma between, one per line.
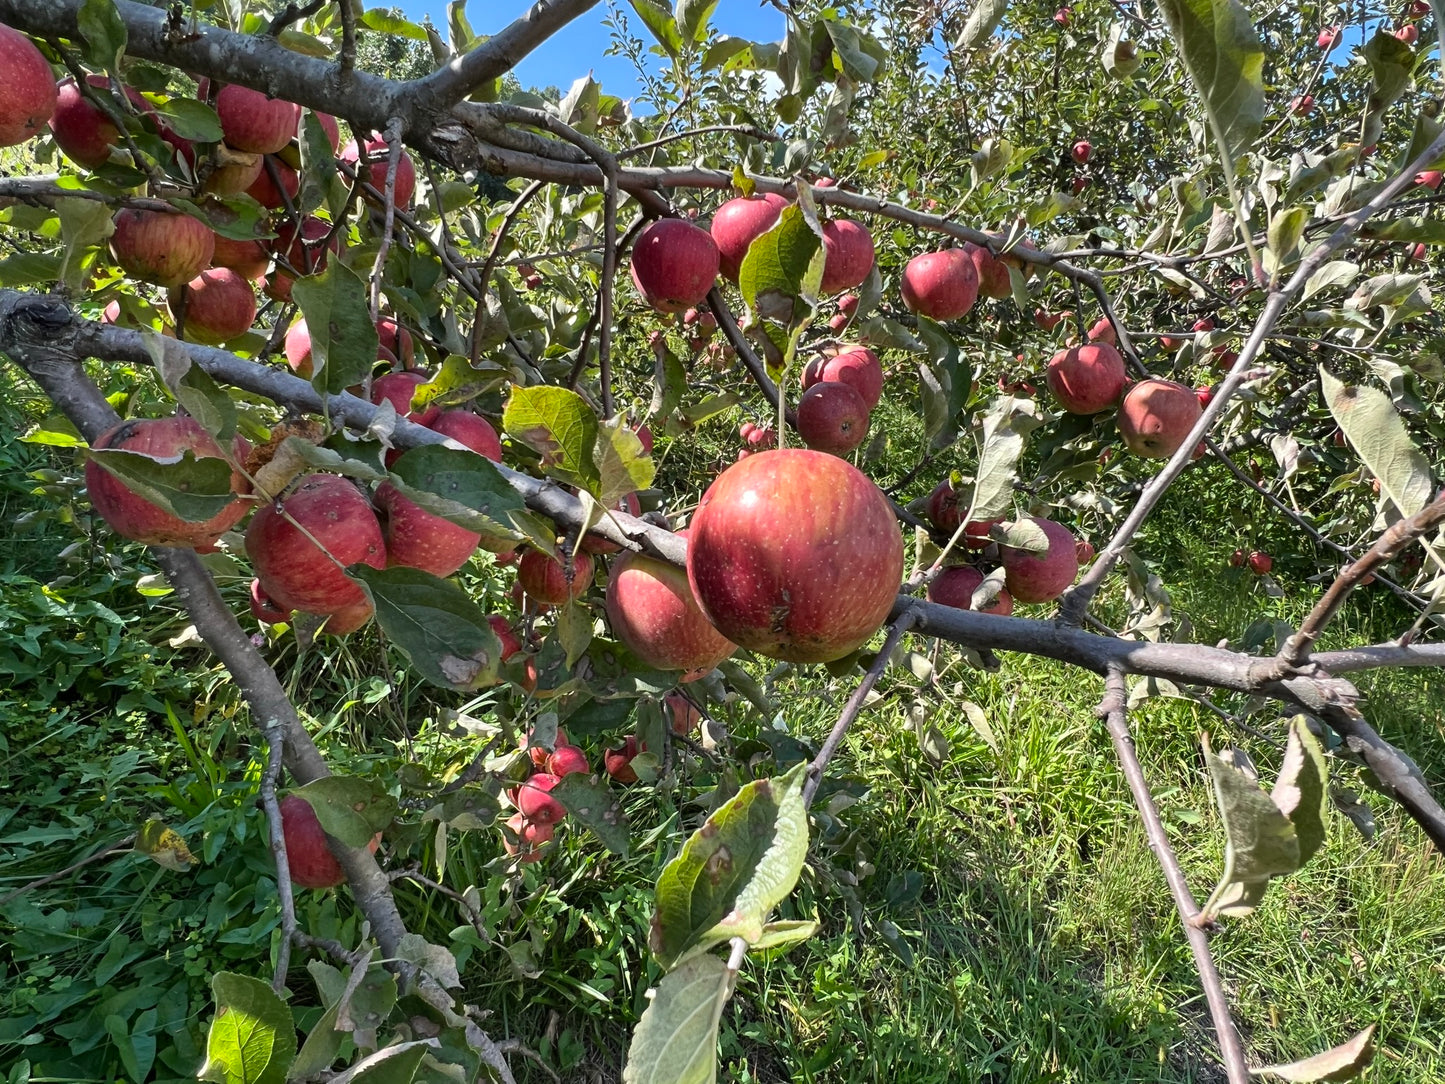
(974,285)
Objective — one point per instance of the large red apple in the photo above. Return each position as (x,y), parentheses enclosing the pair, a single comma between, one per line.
(992,273)
(1039,577)
(848,248)
(294,571)
(795,554)
(219,306)
(27,89)
(246,258)
(652,610)
(1156,417)
(854,365)
(378,155)
(674,264)
(398,389)
(946,510)
(832,417)
(251,121)
(545,579)
(416,538)
(131,515)
(940,285)
(166,249)
(955,587)
(740,222)
(1087,379)
(311,861)
(81,130)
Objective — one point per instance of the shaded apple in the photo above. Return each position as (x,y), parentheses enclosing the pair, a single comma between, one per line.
(250,121)
(81,129)
(946,509)
(161,248)
(1156,417)
(955,587)
(992,273)
(683,715)
(1087,379)
(1040,577)
(653,612)
(511,648)
(377,155)
(266,192)
(566,760)
(263,609)
(545,578)
(311,862)
(219,306)
(524,840)
(246,258)
(832,417)
(618,762)
(856,366)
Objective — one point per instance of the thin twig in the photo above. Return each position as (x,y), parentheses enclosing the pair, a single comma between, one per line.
(275,751)
(126,844)
(393,160)
(749,130)
(348,37)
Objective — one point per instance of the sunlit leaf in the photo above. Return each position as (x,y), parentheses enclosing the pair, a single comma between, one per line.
(1343,1062)
(1225,61)
(1377,433)
(252,1038)
(675,1042)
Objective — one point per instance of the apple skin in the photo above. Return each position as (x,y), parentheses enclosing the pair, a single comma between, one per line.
(955,587)
(266,192)
(131,515)
(536,804)
(165,249)
(377,154)
(311,861)
(1409,33)
(1430,179)
(246,258)
(674,265)
(853,365)
(250,121)
(567,759)
(1042,577)
(219,306)
(832,418)
(992,273)
(1328,37)
(1081,151)
(395,388)
(416,538)
(1156,417)
(544,579)
(683,715)
(1103,332)
(332,130)
(82,132)
(299,576)
(796,555)
(946,512)
(940,285)
(1260,563)
(468,429)
(263,609)
(1087,379)
(652,610)
(525,840)
(28,92)
(848,248)
(738,223)
(618,762)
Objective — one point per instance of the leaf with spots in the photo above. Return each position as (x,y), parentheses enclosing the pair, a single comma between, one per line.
(733,870)
(442,631)
(350,807)
(343,339)
(595,805)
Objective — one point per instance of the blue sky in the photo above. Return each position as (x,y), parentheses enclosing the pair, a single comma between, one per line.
(578,48)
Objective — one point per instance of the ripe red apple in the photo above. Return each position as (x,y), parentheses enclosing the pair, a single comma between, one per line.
(644,434)
(310,859)
(250,121)
(1080,182)
(848,248)
(1156,416)
(1328,37)
(1430,179)
(1047,322)
(566,759)
(618,762)
(81,130)
(955,587)
(1419,252)
(1302,105)
(674,264)
(940,285)
(796,555)
(544,578)
(246,258)
(526,840)
(27,89)
(848,306)
(131,515)
(1040,577)
(263,608)
(511,648)
(232,172)
(1064,16)
(267,193)
(1204,393)
(738,223)
(535,801)
(468,429)
(992,273)
(1103,332)
(946,512)
(295,572)
(1084,550)
(378,155)
(683,715)
(398,340)
(1409,33)
(219,306)
(302,250)
(652,610)
(395,388)
(416,538)
(1087,379)
(856,366)
(165,249)
(1080,152)
(832,417)
(1260,563)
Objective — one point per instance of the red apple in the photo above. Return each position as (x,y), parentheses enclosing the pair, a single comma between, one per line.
(511,648)
(468,429)
(1080,152)
(946,512)
(132,516)
(832,417)
(395,388)
(1087,379)
(161,248)
(955,587)
(1302,105)
(618,762)
(329,126)
(1204,393)
(267,193)
(1409,33)
(1040,577)
(526,840)
(263,609)
(398,340)
(251,121)
(302,250)
(674,264)
(299,575)
(1328,37)
(848,306)
(796,555)
(545,579)
(856,366)
(992,273)
(652,610)
(535,801)
(311,862)
(848,255)
(683,715)
(1064,16)
(1103,332)
(1260,563)
(940,285)
(1043,319)
(1430,179)
(1084,550)
(740,222)
(1156,417)
(246,258)
(416,538)
(81,129)
(219,306)
(567,759)
(644,434)
(1419,253)
(27,89)
(378,155)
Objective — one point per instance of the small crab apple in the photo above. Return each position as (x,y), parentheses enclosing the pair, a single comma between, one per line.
(1081,152)
(1236,559)
(524,840)
(1064,16)
(1260,562)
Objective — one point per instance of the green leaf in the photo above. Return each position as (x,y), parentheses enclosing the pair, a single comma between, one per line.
(252,1039)
(28,268)
(442,631)
(691,17)
(676,1040)
(239,218)
(189,488)
(983,20)
(593,802)
(1391,63)
(723,50)
(559,426)
(191,119)
(783,264)
(56,431)
(998,463)
(318,165)
(861,56)
(396,1064)
(460,486)
(658,18)
(1302,790)
(1260,842)
(1225,61)
(733,870)
(343,338)
(579,107)
(83,223)
(1343,1062)
(319,1050)
(164,846)
(104,33)
(457,381)
(621,462)
(352,808)
(435,960)
(785,933)
(1335,273)
(1378,435)
(1285,230)
(387,21)
(207,402)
